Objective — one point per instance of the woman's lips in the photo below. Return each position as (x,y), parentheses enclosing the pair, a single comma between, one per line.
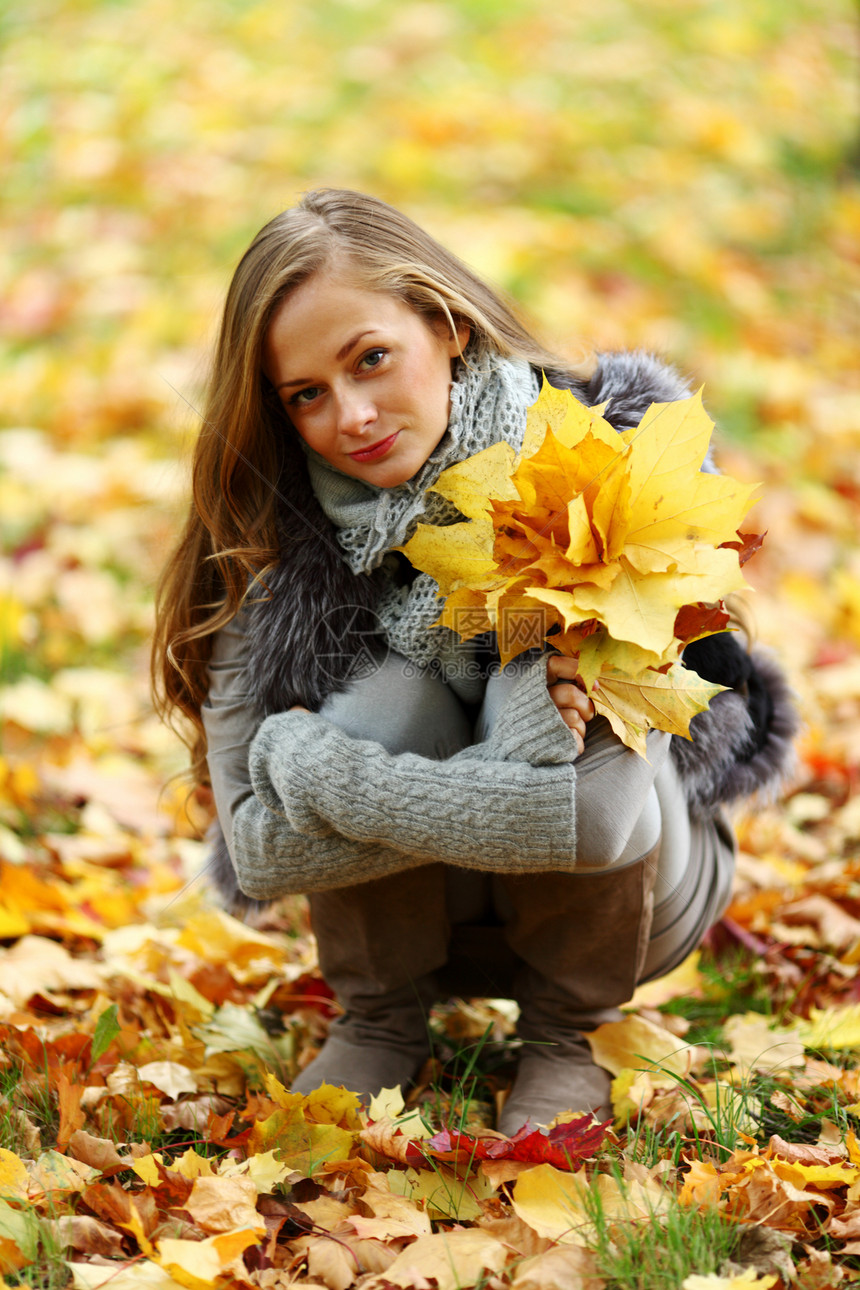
(376,450)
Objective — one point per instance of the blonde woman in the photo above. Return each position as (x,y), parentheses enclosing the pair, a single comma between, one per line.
(458,828)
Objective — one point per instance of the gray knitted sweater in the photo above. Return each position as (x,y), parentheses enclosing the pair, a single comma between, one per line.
(328,810)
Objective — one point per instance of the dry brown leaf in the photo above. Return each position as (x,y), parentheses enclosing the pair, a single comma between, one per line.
(87,1235)
(194,1113)
(764,1251)
(225,1205)
(561,1268)
(337,1260)
(455,1260)
(517,1235)
(763,1196)
(326,1212)
(98,1152)
(817,1271)
(386,1138)
(825,923)
(391,1215)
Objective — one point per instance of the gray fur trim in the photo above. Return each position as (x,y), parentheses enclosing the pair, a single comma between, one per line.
(631,380)
(220,872)
(727,759)
(316,621)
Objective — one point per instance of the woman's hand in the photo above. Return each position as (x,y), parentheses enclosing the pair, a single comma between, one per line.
(573,703)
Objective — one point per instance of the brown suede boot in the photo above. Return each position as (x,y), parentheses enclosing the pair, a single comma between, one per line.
(583,939)
(379,944)
(379,1043)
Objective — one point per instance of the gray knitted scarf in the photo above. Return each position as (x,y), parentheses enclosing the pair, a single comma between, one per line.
(489,399)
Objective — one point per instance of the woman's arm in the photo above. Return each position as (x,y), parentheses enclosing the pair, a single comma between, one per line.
(270,858)
(379,814)
(326,810)
(508,803)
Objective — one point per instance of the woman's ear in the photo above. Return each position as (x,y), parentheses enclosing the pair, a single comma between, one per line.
(458,342)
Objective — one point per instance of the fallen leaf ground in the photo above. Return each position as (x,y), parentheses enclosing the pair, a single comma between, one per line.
(680,176)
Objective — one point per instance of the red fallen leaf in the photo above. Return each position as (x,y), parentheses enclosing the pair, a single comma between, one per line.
(257,1107)
(172,1190)
(41,1004)
(110,1202)
(218,1131)
(219,1127)
(747,546)
(748,939)
(23,1044)
(216,983)
(693,621)
(308,991)
(566,1146)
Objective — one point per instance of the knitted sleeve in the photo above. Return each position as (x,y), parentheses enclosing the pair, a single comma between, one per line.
(504,804)
(320,809)
(313,808)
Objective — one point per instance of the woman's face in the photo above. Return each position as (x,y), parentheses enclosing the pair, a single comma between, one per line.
(363,378)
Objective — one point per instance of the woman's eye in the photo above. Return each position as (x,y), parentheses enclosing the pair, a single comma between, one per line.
(304,396)
(372,358)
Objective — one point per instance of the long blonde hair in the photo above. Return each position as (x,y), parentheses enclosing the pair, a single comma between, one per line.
(230,533)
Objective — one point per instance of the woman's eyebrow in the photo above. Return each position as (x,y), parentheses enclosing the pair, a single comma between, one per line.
(341,354)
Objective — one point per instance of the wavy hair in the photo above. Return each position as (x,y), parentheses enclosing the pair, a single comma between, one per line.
(246,442)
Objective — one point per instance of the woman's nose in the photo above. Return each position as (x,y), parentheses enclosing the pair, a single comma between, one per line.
(356,413)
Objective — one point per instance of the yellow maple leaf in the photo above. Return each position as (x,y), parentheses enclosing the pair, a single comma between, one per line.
(596,542)
(14,1179)
(200,1265)
(832,1027)
(555,1204)
(748,1279)
(469,484)
(632,704)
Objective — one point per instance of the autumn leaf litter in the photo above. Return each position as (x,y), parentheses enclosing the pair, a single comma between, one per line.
(147,1138)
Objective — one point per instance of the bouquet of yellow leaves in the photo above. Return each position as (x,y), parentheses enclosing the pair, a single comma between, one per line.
(615,549)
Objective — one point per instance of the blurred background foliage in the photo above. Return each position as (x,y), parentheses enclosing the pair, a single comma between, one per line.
(675,174)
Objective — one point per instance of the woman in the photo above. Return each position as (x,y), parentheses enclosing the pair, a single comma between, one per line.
(456,827)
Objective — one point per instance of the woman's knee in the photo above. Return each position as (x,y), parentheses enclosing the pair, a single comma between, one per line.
(402,707)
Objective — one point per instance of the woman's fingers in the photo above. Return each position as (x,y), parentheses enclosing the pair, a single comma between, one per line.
(560,668)
(574,706)
(565,694)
